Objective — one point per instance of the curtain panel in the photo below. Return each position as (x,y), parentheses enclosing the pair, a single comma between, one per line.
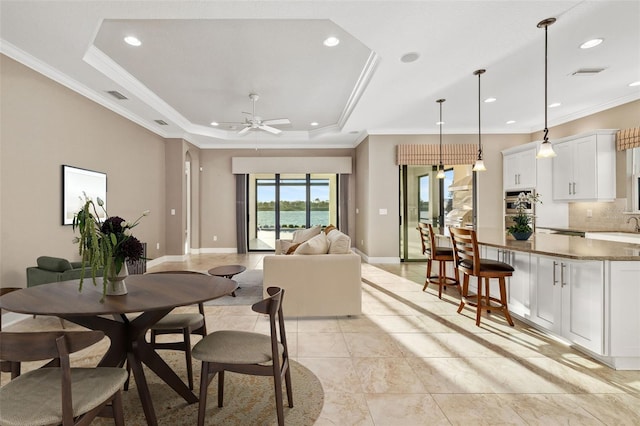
(628,138)
(424,155)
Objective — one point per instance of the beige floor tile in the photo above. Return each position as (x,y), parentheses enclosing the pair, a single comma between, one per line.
(236,322)
(360,324)
(344,409)
(387,375)
(335,374)
(405,410)
(371,345)
(322,345)
(478,409)
(325,325)
(549,410)
(454,375)
(398,323)
(611,409)
(568,374)
(263,326)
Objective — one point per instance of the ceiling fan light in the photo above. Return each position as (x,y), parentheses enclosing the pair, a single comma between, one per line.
(479,166)
(546,150)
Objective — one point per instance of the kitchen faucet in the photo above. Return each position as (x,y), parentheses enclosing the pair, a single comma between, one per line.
(637,224)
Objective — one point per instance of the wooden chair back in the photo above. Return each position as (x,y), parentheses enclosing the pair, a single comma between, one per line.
(427,239)
(465,250)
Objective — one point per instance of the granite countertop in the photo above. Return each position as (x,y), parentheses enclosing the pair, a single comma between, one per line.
(560,245)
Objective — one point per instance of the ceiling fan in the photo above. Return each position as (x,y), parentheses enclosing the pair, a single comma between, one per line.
(255,122)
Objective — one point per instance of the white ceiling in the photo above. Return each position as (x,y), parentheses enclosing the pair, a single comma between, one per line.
(200,60)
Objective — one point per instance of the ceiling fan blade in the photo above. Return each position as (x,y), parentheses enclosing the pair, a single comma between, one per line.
(276,121)
(245,130)
(270,129)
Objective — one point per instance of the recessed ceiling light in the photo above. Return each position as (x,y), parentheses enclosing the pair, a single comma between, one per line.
(215,123)
(511,121)
(591,43)
(489,100)
(439,123)
(331,41)
(410,57)
(555,105)
(634,84)
(133,41)
(315,123)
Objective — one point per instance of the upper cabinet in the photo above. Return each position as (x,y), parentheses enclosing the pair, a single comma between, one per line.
(584,168)
(519,168)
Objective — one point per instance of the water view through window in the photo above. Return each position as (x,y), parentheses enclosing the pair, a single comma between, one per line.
(281,204)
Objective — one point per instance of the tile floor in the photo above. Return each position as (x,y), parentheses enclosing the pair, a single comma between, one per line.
(410,359)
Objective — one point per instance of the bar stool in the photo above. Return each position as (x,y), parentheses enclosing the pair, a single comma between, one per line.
(468,261)
(442,255)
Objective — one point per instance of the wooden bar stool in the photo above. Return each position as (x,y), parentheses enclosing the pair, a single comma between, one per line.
(442,255)
(468,261)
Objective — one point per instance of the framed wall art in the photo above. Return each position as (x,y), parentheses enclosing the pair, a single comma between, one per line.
(75,183)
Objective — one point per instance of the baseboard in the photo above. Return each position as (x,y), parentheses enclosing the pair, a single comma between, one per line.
(367,259)
(222,250)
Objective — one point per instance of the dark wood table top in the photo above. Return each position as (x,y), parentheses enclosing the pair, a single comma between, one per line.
(227,270)
(145,293)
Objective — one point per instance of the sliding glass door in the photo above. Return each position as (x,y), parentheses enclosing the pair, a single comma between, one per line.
(279,204)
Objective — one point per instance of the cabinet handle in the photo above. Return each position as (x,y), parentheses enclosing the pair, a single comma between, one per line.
(562,266)
(569,188)
(555,281)
(515,179)
(574,188)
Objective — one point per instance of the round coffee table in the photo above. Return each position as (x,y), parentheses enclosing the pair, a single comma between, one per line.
(227,271)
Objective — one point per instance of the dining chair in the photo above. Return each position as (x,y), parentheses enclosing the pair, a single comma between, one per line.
(442,255)
(248,353)
(469,262)
(12,367)
(185,324)
(58,394)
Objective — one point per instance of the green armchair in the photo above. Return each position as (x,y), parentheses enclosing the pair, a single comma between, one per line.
(52,269)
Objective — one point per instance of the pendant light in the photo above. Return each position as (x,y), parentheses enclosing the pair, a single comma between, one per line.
(479,165)
(546,149)
(440,174)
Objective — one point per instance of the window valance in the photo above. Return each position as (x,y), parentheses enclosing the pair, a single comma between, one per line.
(628,138)
(424,155)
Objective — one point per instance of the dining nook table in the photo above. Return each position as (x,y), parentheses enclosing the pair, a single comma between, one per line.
(151,295)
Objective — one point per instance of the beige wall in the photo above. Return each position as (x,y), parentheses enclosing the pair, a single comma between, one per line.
(44,125)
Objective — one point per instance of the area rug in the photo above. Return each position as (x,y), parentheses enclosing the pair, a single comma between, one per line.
(250,291)
(248,400)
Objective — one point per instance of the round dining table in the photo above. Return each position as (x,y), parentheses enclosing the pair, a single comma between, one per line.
(151,295)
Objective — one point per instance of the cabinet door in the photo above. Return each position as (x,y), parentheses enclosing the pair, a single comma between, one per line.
(518,288)
(509,171)
(585,182)
(582,286)
(562,172)
(546,296)
(527,169)
(623,313)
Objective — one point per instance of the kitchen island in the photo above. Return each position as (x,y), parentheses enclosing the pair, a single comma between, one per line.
(583,291)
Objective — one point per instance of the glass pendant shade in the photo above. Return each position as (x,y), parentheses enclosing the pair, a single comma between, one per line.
(440,174)
(545,150)
(479,166)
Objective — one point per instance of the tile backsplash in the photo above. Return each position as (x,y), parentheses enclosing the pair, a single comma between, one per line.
(604,216)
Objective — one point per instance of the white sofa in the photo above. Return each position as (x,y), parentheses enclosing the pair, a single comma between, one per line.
(316,284)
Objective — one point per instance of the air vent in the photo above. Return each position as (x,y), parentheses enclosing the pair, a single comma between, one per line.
(161,122)
(117,95)
(587,71)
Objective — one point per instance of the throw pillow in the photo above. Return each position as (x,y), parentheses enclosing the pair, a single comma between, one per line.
(339,243)
(316,245)
(292,248)
(302,235)
(329,228)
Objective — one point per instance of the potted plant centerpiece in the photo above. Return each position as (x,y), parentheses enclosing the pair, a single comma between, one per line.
(106,245)
(521,229)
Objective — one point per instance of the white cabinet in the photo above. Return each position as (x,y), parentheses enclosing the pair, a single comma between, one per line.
(519,169)
(568,299)
(623,318)
(518,287)
(584,168)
